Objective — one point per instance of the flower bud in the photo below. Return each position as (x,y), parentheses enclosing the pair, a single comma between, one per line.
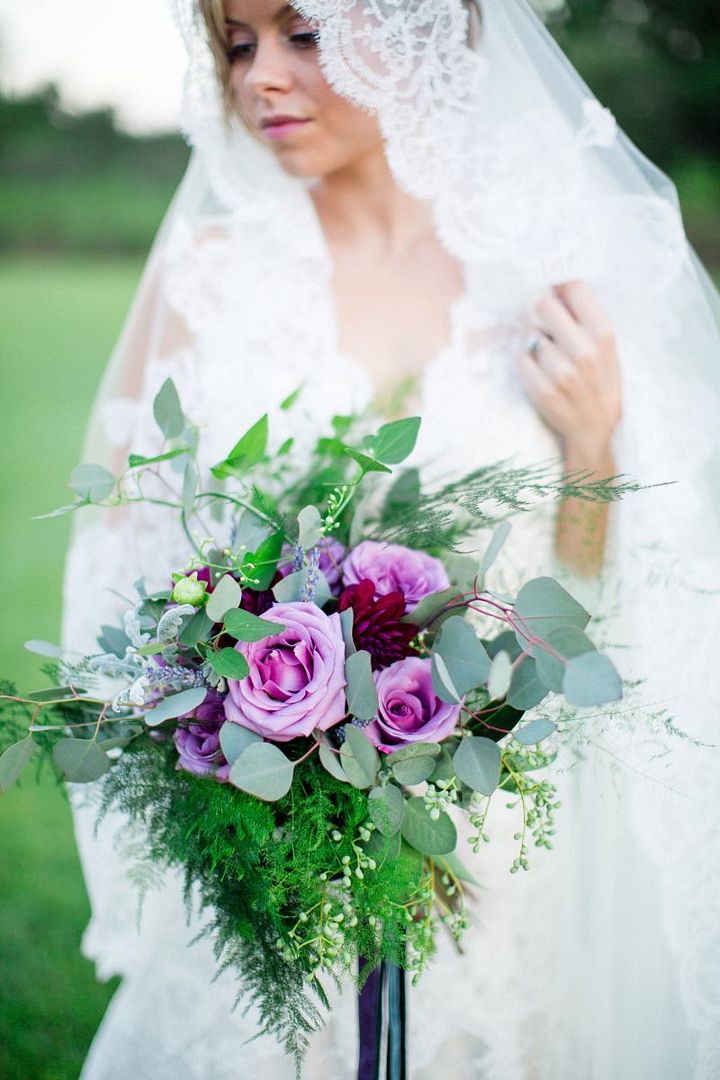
(189,591)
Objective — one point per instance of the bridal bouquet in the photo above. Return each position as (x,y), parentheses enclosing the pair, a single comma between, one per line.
(304,712)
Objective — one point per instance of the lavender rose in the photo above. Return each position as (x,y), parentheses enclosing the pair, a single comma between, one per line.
(198,745)
(332,553)
(393,567)
(409,710)
(297,677)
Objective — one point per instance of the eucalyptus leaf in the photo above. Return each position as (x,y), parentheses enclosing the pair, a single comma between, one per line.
(395,441)
(413,750)
(505,642)
(249,532)
(430,607)
(477,762)
(347,618)
(464,657)
(497,542)
(526,689)
(225,597)
(191,480)
(543,604)
(361,693)
(263,771)
(60,512)
(534,732)
(244,626)
(456,868)
(81,760)
(330,761)
(44,648)
(310,527)
(234,738)
(500,676)
(592,679)
(387,808)
(359,758)
(291,588)
(13,761)
(427,836)
(569,642)
(413,770)
(229,663)
(167,411)
(176,705)
(92,482)
(442,682)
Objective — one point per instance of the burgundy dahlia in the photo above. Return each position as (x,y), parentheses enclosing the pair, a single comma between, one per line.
(257,603)
(377,625)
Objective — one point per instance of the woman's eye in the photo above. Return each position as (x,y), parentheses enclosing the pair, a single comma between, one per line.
(243,50)
(305,40)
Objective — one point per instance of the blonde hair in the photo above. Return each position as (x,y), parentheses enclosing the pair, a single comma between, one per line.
(213,14)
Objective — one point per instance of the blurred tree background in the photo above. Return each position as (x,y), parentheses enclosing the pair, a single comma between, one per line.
(80,203)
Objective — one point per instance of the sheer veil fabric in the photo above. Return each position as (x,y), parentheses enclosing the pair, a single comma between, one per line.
(604,961)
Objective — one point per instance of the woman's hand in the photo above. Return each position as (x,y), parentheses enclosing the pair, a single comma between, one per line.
(573,379)
(573,376)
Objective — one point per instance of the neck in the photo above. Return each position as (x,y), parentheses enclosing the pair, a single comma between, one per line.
(362,204)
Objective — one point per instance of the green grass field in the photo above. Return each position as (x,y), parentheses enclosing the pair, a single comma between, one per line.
(58,321)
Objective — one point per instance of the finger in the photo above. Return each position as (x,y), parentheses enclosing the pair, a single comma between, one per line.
(536,382)
(582,303)
(571,337)
(553,362)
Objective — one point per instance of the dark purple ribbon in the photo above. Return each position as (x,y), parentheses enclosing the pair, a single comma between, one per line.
(381,1005)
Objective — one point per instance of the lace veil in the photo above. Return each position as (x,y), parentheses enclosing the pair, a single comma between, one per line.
(531,183)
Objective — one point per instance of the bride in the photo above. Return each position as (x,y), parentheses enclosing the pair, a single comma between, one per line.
(418,206)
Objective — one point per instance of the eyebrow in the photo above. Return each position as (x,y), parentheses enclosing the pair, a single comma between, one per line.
(276,17)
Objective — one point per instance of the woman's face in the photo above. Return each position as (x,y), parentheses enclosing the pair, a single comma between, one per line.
(282,96)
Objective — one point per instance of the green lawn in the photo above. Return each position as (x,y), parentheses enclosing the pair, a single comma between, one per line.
(58,321)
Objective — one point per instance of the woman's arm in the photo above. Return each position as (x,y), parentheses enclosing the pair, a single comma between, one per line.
(573,380)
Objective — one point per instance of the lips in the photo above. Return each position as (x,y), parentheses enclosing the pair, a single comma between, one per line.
(281,121)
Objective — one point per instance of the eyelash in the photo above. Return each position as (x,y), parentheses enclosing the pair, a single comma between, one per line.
(243,50)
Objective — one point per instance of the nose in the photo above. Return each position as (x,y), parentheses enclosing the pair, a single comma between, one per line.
(269,70)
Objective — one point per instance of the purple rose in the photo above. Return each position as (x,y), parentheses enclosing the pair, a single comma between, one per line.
(297,677)
(332,553)
(393,567)
(198,744)
(409,710)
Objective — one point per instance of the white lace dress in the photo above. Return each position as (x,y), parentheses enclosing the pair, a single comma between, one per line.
(528,998)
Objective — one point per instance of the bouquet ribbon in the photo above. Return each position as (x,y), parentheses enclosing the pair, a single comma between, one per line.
(382,1024)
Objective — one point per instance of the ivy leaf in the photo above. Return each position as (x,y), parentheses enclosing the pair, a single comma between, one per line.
(367,464)
(359,758)
(534,732)
(229,663)
(361,693)
(92,482)
(13,761)
(477,763)
(262,563)
(247,452)
(244,626)
(176,705)
(263,771)
(592,679)
(136,461)
(544,605)
(425,835)
(234,738)
(395,441)
(167,411)
(225,597)
(387,809)
(81,760)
